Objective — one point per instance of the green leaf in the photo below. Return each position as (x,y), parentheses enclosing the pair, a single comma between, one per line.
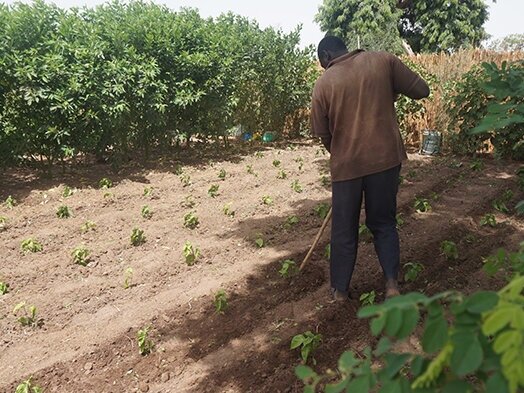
(347,361)
(391,387)
(417,365)
(497,384)
(394,362)
(393,321)
(377,324)
(435,334)
(506,340)
(336,388)
(457,387)
(497,321)
(410,319)
(297,341)
(369,311)
(304,372)
(467,353)
(383,346)
(359,385)
(481,302)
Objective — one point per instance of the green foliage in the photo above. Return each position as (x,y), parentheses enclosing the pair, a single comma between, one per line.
(228,210)
(250,170)
(220,302)
(276,163)
(31,245)
(10,202)
(509,43)
(488,220)
(476,165)
(267,200)
(191,220)
(128,277)
(190,253)
(295,186)
(80,255)
(289,268)
(28,317)
(325,181)
(145,344)
(291,221)
(28,387)
(327,252)
(412,271)
(105,183)
(300,162)
(67,192)
(137,237)
(88,226)
(422,205)
(222,174)
(213,191)
(63,212)
(281,174)
(510,263)
(148,192)
(185,179)
(307,342)
(146,212)
(449,249)
(4,288)
(3,223)
(321,210)
(368,298)
(400,220)
(259,240)
(364,233)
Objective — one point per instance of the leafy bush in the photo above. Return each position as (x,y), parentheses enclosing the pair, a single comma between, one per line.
(28,387)
(31,245)
(190,253)
(137,237)
(145,344)
(191,220)
(308,343)
(80,256)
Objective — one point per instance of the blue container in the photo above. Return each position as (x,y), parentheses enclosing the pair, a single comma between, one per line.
(431,142)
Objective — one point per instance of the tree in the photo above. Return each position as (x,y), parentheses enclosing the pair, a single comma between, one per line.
(509,43)
(426,25)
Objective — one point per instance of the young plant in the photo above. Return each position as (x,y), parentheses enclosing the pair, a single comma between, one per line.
(222,174)
(412,174)
(67,192)
(3,223)
(148,192)
(276,163)
(364,233)
(308,343)
(179,169)
(228,211)
(289,268)
(267,200)
(259,240)
(63,212)
(325,181)
(190,253)
(400,220)
(220,302)
(300,162)
(476,165)
(488,220)
(191,220)
(500,206)
(137,237)
(105,183)
(327,252)
(368,298)
(146,212)
(10,202)
(259,154)
(88,226)
(295,186)
(189,202)
(213,191)
(29,315)
(80,256)
(250,170)
(28,387)
(291,221)
(422,205)
(128,277)
(185,179)
(109,196)
(412,269)
(449,249)
(145,344)
(31,245)
(4,288)
(322,210)
(401,180)
(282,175)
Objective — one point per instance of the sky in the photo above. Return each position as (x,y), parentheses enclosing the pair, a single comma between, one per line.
(505,15)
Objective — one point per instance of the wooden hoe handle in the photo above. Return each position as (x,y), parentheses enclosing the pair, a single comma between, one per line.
(317,239)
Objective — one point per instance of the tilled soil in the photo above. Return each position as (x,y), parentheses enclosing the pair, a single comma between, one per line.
(89,321)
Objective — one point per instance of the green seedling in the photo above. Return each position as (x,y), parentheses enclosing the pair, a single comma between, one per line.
(4,288)
(488,220)
(434,196)
(213,191)
(63,212)
(10,202)
(364,233)
(31,245)
(179,169)
(289,268)
(308,343)
(67,192)
(105,183)
(222,174)
(191,220)
(291,221)
(422,205)
(259,240)
(400,180)
(325,181)
(500,206)
(189,202)
(185,179)
(412,174)
(276,163)
(128,278)
(137,237)
(28,387)
(88,226)
(146,212)
(400,220)
(368,298)
(228,211)
(507,196)
(295,186)
(220,302)
(327,252)
(259,154)
(412,269)
(29,317)
(282,175)
(300,162)
(320,152)
(449,249)
(145,344)
(190,253)
(476,165)
(267,200)
(322,210)
(250,170)
(80,256)
(148,192)
(3,223)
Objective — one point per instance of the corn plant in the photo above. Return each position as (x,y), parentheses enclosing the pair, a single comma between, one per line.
(281,175)
(145,344)
(88,226)
(449,249)
(191,220)
(185,179)
(4,288)
(307,342)
(259,240)
(213,191)
(63,212)
(28,387)
(128,277)
(190,253)
(368,298)
(67,192)
(29,315)
(220,302)
(228,211)
(222,174)
(488,220)
(422,205)
(31,245)
(322,210)
(105,183)
(412,270)
(267,200)
(146,212)
(137,237)
(276,163)
(289,268)
(80,256)
(291,221)
(10,202)
(295,186)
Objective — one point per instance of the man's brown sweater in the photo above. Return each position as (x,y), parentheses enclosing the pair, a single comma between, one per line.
(353,104)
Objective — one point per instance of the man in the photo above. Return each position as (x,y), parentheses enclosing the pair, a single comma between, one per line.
(353,113)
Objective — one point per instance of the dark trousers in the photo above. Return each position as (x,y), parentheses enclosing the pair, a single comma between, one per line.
(380,193)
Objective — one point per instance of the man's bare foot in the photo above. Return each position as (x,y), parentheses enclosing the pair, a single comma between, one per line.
(392,288)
